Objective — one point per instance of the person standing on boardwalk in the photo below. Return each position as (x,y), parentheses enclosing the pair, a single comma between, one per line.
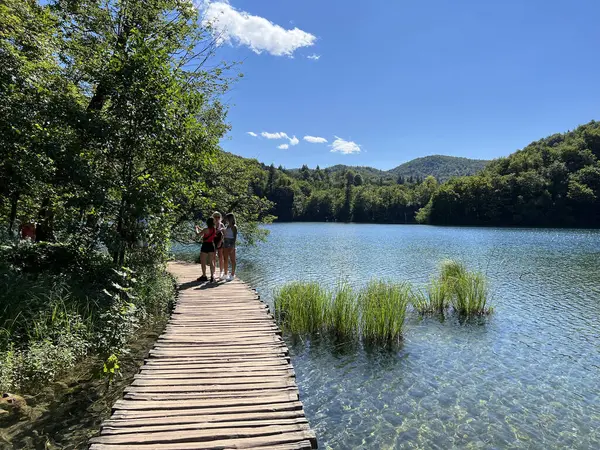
(220,227)
(207,251)
(229,245)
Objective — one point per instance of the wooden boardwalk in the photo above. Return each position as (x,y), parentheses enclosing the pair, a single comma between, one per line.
(218,378)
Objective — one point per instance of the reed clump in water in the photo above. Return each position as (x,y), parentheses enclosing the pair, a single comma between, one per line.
(343,315)
(466,292)
(434,298)
(470,294)
(383,310)
(302,307)
(375,314)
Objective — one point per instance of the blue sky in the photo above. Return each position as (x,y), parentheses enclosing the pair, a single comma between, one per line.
(395,80)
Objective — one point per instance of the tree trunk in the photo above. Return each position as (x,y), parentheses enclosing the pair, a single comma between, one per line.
(13,211)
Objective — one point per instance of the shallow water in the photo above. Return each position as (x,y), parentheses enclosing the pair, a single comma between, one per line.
(528,377)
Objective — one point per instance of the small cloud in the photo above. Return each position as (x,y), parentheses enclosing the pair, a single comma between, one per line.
(283,146)
(314,57)
(294,141)
(231,25)
(315,139)
(278,135)
(252,133)
(346,147)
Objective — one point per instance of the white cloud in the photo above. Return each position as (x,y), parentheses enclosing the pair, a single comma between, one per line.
(283,146)
(314,56)
(278,135)
(346,147)
(259,34)
(315,139)
(252,133)
(294,141)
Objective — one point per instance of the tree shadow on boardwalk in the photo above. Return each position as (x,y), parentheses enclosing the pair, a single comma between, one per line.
(199,285)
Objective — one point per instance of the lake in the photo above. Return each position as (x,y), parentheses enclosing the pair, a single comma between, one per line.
(527,377)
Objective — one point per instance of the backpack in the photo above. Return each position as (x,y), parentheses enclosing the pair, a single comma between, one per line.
(218,240)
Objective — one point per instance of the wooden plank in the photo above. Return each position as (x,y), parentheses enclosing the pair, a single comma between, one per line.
(200,388)
(115,429)
(206,373)
(141,405)
(219,411)
(212,380)
(265,364)
(274,442)
(196,395)
(218,418)
(197,435)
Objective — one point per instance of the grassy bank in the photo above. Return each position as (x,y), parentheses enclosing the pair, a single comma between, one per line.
(59,305)
(376,313)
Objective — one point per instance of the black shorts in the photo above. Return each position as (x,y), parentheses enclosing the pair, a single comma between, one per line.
(207,247)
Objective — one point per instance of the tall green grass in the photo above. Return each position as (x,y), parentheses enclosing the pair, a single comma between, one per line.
(434,298)
(302,307)
(343,316)
(470,295)
(451,269)
(383,310)
(468,291)
(375,314)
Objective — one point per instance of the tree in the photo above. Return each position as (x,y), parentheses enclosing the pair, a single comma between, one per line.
(154,117)
(358,180)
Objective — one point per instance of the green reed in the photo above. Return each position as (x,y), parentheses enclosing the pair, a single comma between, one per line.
(452,269)
(301,307)
(470,295)
(383,310)
(434,298)
(343,316)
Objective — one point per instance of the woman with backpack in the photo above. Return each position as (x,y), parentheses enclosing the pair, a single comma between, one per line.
(230,235)
(220,227)
(207,251)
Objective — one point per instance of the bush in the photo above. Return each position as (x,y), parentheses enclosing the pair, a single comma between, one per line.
(49,322)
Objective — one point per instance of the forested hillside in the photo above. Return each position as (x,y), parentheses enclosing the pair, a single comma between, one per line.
(442,167)
(552,182)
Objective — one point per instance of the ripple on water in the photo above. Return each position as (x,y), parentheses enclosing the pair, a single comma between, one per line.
(525,378)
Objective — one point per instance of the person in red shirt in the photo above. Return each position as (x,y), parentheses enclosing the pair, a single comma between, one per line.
(207,251)
(28,230)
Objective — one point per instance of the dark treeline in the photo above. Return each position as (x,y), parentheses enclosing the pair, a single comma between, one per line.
(551,182)
(343,195)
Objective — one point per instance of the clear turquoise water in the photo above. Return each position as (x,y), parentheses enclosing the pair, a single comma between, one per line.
(528,377)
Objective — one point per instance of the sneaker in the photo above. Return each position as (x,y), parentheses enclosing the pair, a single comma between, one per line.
(212,279)
(202,278)
(230,278)
(222,276)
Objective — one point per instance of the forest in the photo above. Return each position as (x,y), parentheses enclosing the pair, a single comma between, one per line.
(552,182)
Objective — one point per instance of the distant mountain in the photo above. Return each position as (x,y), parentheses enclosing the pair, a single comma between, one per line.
(440,166)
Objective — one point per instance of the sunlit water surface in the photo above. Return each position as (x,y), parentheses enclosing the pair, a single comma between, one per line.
(528,377)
